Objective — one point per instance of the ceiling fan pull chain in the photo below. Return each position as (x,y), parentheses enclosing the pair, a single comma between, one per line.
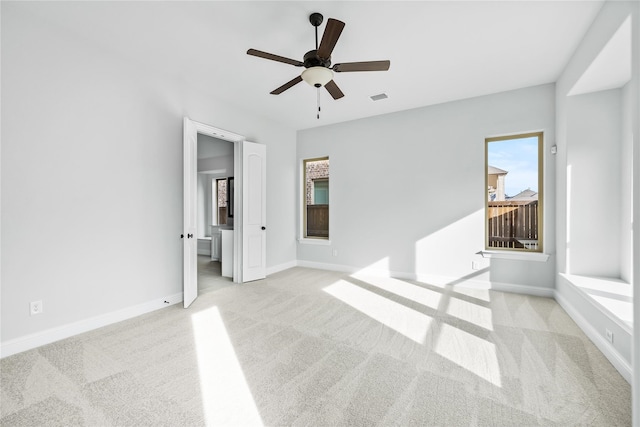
(318,91)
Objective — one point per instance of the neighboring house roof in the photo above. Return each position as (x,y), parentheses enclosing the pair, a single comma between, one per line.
(527,194)
(492,170)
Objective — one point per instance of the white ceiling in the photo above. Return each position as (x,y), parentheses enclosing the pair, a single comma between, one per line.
(439,50)
(612,67)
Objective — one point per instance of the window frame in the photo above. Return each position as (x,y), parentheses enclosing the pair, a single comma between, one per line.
(303,205)
(540,208)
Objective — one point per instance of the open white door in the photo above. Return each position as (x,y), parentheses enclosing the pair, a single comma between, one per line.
(254,215)
(190,200)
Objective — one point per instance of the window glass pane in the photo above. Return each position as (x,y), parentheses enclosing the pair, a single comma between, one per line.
(514,196)
(316,198)
(222,201)
(321,192)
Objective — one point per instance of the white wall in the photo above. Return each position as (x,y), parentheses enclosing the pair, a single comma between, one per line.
(407,190)
(92,179)
(573,141)
(594,162)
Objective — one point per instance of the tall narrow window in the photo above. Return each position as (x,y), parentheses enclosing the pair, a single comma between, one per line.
(514,183)
(316,198)
(221,185)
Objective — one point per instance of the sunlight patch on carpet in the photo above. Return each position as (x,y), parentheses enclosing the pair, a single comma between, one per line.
(226,398)
(415,293)
(470,312)
(406,321)
(469,352)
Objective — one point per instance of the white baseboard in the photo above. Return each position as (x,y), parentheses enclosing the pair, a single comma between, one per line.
(326,266)
(48,336)
(605,347)
(523,289)
(281,267)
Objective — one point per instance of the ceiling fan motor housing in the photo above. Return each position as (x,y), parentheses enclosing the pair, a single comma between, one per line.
(311,59)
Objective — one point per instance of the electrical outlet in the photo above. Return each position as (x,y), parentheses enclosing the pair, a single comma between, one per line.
(475,265)
(335,252)
(609,335)
(36,307)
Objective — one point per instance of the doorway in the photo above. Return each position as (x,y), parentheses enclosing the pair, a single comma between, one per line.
(215,209)
(244,247)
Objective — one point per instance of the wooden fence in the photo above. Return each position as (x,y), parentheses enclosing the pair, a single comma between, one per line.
(513,224)
(318,220)
(222,215)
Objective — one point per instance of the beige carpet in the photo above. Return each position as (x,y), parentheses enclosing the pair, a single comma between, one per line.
(308,347)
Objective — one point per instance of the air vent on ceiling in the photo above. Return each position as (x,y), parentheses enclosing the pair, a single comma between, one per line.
(379,97)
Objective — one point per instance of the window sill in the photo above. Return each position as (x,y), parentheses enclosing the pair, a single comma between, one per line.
(520,256)
(321,242)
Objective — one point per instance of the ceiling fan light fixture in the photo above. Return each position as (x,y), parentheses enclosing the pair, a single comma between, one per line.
(317,76)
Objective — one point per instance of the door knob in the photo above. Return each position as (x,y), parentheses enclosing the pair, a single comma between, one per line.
(189,236)
(264,228)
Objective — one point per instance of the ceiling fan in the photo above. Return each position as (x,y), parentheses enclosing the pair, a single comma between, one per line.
(317,62)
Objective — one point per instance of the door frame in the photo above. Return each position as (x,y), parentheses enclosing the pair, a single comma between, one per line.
(236,139)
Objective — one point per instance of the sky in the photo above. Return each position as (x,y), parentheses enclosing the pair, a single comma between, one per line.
(519,157)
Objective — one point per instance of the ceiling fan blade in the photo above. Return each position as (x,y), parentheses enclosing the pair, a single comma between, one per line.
(330,37)
(286,86)
(271,56)
(334,90)
(362,66)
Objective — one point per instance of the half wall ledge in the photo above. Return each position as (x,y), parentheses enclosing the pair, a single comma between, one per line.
(614,297)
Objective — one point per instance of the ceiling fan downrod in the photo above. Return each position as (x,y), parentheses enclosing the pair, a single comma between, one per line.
(316,19)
